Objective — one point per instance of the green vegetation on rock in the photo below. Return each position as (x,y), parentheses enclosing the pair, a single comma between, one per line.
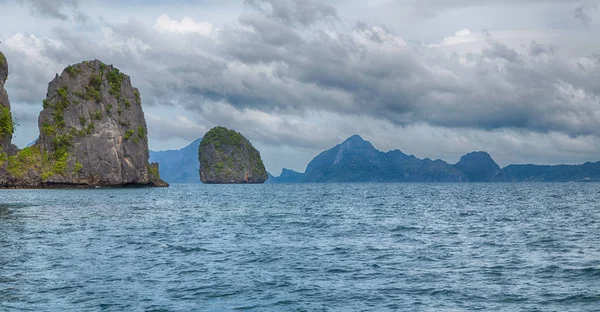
(138,98)
(7,126)
(59,106)
(128,134)
(153,170)
(115,79)
(97,115)
(141,134)
(92,91)
(48,129)
(227,157)
(30,158)
(78,167)
(220,136)
(73,71)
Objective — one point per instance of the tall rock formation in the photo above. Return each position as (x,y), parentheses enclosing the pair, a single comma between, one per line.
(92,133)
(227,157)
(6,121)
(6,124)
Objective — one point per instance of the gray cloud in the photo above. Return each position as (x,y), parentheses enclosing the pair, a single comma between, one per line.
(303,12)
(582,13)
(56,9)
(284,58)
(443,4)
(536,49)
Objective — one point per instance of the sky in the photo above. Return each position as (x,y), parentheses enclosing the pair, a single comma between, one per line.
(519,79)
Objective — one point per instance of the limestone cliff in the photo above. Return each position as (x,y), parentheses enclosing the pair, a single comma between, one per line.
(6,121)
(92,133)
(228,157)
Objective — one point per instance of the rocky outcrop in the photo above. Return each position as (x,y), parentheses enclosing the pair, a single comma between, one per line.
(6,124)
(479,167)
(92,133)
(227,157)
(6,120)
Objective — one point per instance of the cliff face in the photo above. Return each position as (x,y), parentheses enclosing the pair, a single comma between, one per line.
(6,122)
(92,133)
(228,157)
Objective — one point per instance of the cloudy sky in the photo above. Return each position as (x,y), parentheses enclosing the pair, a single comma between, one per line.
(434,78)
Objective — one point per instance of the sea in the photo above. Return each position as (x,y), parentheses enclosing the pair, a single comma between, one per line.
(303,247)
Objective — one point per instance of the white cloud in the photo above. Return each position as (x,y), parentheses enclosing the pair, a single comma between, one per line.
(461,37)
(32,46)
(186,26)
(162,128)
(308,86)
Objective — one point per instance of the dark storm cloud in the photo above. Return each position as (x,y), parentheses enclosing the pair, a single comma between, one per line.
(55,8)
(303,12)
(274,67)
(582,13)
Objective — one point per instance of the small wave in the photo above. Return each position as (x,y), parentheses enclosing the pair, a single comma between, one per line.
(579,298)
(583,272)
(7,208)
(340,271)
(403,228)
(505,219)
(264,259)
(247,308)
(512,298)
(15,205)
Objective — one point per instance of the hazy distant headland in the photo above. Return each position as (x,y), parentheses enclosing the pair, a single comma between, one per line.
(356,160)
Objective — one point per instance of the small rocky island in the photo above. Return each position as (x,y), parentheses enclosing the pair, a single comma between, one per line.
(227,157)
(92,134)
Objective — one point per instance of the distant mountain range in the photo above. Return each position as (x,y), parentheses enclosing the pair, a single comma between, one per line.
(179,166)
(356,160)
(287,176)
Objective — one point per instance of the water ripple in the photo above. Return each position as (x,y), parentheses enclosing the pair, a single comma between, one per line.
(362,247)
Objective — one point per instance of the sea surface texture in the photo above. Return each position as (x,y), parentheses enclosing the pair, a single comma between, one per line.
(309,247)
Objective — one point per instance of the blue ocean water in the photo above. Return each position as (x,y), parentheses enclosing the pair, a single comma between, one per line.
(329,247)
